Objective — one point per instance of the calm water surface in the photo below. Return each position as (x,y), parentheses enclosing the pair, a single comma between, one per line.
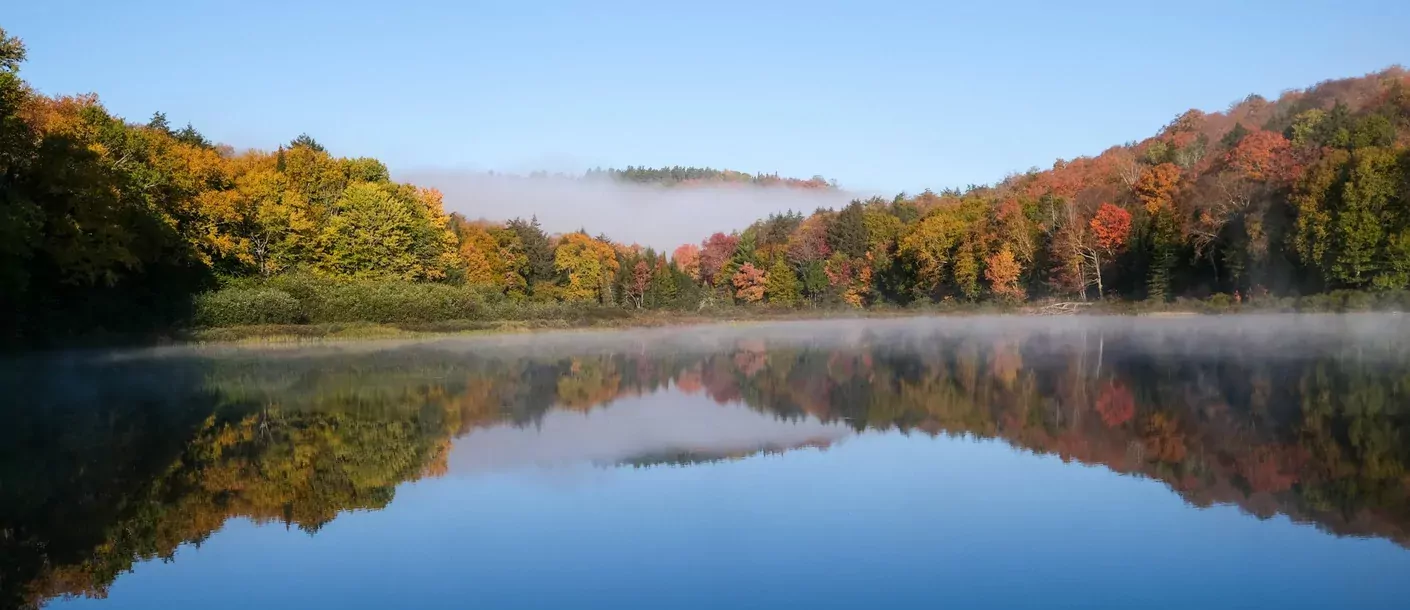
(1244,462)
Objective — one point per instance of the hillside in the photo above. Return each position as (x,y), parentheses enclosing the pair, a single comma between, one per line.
(111,226)
(1304,194)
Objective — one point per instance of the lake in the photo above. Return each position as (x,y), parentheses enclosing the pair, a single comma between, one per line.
(1061,462)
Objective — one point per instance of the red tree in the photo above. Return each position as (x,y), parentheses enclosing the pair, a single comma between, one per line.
(1115,404)
(1262,156)
(716,252)
(1110,228)
(687,259)
(749,283)
(641,279)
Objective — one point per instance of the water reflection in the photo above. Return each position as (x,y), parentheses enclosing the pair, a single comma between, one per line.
(111,459)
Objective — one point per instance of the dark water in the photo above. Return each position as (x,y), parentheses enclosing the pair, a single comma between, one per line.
(1242,462)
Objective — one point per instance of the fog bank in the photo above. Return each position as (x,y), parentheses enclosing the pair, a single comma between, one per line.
(650,215)
(658,424)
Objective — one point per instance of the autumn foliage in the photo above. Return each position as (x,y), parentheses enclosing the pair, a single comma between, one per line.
(749,283)
(1111,227)
(116,226)
(1002,271)
(1115,404)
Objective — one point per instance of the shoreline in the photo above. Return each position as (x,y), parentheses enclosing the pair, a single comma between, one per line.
(296,334)
(334,332)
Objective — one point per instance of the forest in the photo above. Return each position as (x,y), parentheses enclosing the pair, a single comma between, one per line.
(112,226)
(176,446)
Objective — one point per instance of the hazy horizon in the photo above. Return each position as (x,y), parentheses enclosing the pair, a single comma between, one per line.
(652,215)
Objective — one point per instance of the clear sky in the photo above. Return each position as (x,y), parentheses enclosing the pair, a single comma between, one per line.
(879,95)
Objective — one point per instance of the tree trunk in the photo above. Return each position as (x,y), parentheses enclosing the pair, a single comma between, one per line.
(1097,267)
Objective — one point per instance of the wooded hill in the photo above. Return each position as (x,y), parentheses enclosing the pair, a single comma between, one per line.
(110,225)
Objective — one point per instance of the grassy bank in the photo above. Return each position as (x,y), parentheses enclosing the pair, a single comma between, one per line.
(305,308)
(293,310)
(298,333)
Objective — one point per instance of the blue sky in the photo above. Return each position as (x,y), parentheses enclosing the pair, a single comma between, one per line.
(879,95)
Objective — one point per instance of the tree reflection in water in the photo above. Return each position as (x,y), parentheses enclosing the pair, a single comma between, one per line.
(112,459)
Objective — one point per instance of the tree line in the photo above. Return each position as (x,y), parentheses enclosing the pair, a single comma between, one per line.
(109,225)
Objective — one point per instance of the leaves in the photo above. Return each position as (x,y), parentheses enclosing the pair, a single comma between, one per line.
(714,253)
(749,283)
(1111,227)
(375,230)
(1002,271)
(783,286)
(687,259)
(588,265)
(103,219)
(1262,156)
(1156,187)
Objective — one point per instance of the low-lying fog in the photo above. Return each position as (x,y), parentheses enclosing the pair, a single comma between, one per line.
(649,215)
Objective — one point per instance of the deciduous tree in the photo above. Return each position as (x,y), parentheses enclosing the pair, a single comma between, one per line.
(749,283)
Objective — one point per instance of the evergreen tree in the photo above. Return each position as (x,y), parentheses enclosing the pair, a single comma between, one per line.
(306,141)
(814,281)
(159,123)
(783,287)
(665,288)
(847,233)
(537,250)
(1164,253)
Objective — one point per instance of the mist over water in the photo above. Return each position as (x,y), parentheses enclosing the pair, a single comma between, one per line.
(651,215)
(901,462)
(632,428)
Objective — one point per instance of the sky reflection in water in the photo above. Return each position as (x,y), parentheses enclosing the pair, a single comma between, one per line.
(849,464)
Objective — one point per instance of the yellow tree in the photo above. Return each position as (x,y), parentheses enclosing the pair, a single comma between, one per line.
(378,230)
(479,252)
(313,174)
(589,266)
(929,248)
(280,227)
(1003,270)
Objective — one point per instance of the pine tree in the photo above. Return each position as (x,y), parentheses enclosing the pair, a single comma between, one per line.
(847,233)
(665,288)
(537,250)
(1164,243)
(783,287)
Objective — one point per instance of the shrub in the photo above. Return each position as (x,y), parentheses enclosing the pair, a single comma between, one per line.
(393,302)
(239,306)
(1395,300)
(1358,301)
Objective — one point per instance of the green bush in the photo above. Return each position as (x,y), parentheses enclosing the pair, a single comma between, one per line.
(1358,301)
(245,306)
(1395,300)
(393,302)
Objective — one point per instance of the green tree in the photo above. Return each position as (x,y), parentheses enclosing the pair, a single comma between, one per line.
(377,230)
(847,231)
(538,251)
(1234,136)
(665,284)
(21,217)
(1360,225)
(783,287)
(306,141)
(814,280)
(1164,254)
